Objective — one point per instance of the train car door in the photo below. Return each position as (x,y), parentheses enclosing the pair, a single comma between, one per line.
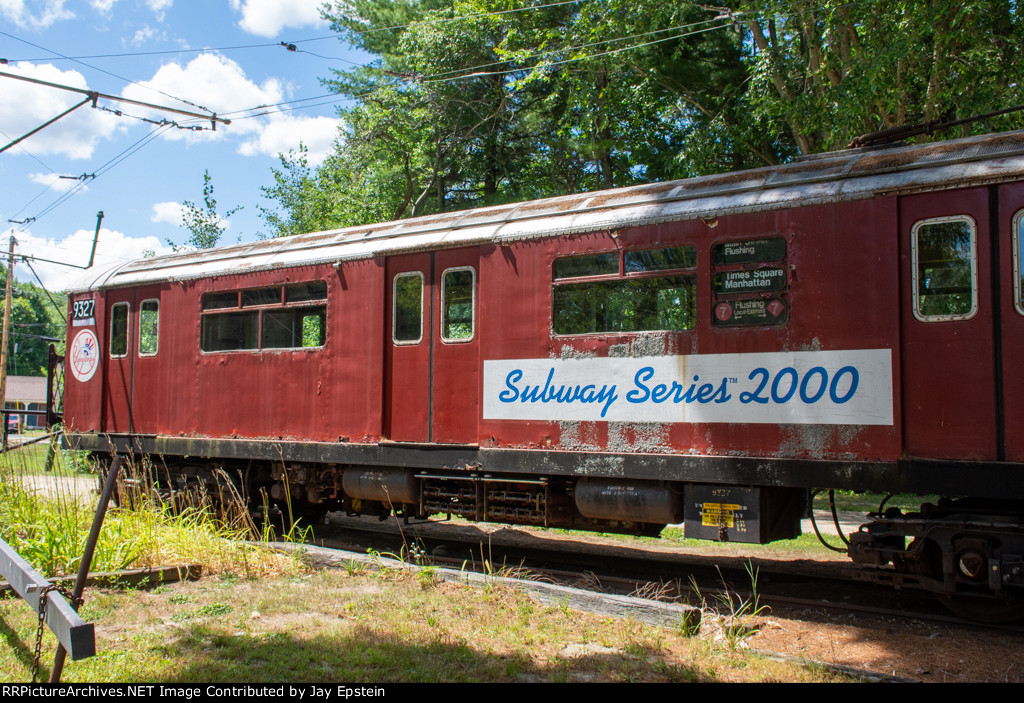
(432,357)
(1011,307)
(948,349)
(149,389)
(116,358)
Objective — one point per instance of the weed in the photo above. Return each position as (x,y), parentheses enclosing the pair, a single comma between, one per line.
(49,528)
(427,576)
(737,615)
(688,623)
(354,567)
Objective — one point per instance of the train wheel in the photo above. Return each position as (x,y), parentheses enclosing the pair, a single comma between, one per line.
(983,609)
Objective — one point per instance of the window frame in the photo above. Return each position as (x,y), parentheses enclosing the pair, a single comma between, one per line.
(1018,289)
(394,308)
(127,331)
(258,309)
(441,325)
(142,305)
(914,268)
(623,275)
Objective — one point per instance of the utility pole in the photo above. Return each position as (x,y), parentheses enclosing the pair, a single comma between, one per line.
(7,328)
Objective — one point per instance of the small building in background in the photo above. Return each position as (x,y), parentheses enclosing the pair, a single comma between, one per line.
(27,393)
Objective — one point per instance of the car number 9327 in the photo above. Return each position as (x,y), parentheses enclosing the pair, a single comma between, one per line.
(83,309)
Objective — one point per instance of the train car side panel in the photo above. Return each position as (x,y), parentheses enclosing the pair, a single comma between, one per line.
(823,253)
(949,409)
(455,384)
(295,384)
(84,367)
(1011,226)
(163,387)
(116,357)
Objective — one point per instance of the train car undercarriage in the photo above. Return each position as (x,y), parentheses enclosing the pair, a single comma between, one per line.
(968,552)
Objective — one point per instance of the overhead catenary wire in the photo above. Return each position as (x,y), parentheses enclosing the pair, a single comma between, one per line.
(264,110)
(114,75)
(112,162)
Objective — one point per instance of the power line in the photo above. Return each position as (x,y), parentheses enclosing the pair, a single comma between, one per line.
(94,68)
(111,163)
(446,75)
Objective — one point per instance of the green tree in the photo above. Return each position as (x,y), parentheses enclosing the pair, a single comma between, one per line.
(836,69)
(205,224)
(35,324)
(478,102)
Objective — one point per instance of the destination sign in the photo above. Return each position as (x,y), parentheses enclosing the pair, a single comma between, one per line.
(751,281)
(757,311)
(749,251)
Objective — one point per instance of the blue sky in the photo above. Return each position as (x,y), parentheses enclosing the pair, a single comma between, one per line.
(142,172)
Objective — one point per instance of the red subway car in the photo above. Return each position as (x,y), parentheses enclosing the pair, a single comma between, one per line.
(704,351)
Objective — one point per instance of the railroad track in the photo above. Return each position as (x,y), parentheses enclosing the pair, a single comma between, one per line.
(649,572)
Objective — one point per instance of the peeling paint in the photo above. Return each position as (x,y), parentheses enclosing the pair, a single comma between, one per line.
(598,465)
(638,437)
(576,434)
(649,344)
(569,352)
(819,441)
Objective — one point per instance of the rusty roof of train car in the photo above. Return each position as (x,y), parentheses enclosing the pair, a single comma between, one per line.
(823,178)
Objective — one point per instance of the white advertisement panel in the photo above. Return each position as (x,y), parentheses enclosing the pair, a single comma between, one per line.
(849,387)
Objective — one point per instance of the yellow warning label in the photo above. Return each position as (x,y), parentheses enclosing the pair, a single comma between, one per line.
(719,514)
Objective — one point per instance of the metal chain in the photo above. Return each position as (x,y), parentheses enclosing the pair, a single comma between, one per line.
(44,594)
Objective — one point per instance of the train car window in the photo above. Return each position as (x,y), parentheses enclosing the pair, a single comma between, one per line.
(293,328)
(1018,259)
(286,320)
(945,271)
(119,330)
(633,305)
(458,297)
(229,331)
(220,301)
(407,317)
(660,259)
(261,296)
(633,302)
(604,264)
(149,327)
(303,292)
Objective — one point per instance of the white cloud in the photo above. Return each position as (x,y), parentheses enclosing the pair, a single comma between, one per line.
(143,35)
(112,248)
(25,106)
(102,5)
(284,132)
(55,182)
(159,8)
(213,81)
(266,18)
(37,14)
(220,85)
(169,212)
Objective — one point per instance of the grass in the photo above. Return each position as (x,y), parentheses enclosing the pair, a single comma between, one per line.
(262,618)
(49,529)
(336,626)
(850,501)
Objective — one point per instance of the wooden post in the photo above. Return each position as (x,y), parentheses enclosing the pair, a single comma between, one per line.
(6,330)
